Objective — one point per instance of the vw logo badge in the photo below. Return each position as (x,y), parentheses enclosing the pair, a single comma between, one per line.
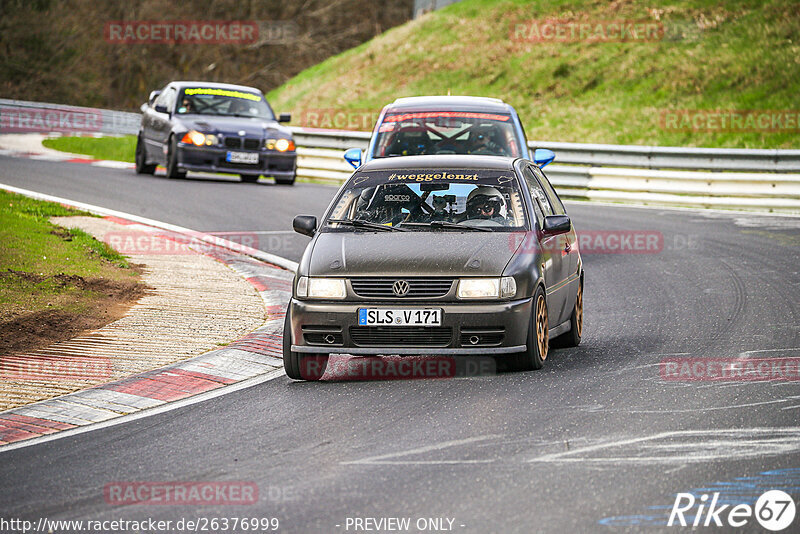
(242,132)
(400,288)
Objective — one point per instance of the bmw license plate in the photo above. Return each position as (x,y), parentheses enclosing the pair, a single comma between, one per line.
(384,317)
(242,157)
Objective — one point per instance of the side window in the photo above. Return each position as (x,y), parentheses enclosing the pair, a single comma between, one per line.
(538,195)
(558,207)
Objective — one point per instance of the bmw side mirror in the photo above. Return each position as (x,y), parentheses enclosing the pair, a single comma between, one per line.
(285,117)
(353,157)
(161,109)
(305,224)
(556,224)
(152,97)
(543,156)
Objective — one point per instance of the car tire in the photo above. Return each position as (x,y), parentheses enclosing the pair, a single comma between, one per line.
(250,178)
(538,339)
(142,167)
(285,181)
(172,160)
(299,366)
(572,338)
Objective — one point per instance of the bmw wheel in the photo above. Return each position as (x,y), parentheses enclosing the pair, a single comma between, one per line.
(142,167)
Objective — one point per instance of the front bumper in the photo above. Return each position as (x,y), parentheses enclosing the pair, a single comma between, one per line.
(332,327)
(212,159)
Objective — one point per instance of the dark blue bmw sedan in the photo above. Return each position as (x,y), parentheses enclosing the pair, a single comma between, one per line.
(214,127)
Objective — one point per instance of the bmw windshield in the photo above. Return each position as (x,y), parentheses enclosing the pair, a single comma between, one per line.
(446,132)
(430,200)
(227,102)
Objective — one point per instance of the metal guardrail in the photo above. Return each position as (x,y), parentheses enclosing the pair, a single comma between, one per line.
(656,157)
(647,157)
(615,173)
(320,157)
(20,116)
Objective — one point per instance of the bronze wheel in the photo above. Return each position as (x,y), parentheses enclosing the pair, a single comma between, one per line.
(542,332)
(572,337)
(579,311)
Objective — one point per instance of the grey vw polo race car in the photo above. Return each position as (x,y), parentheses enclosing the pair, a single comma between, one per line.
(433,255)
(214,127)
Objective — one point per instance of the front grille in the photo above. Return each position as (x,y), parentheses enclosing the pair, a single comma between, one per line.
(418,287)
(401,336)
(482,337)
(238,142)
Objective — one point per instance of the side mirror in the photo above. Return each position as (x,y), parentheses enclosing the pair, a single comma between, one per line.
(305,224)
(353,157)
(161,109)
(556,224)
(152,97)
(543,156)
(285,117)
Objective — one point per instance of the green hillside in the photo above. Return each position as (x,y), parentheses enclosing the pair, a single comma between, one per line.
(711,55)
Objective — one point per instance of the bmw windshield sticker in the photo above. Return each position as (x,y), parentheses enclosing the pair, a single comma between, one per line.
(222,92)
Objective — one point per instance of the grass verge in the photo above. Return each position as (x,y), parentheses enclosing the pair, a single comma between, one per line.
(55,282)
(111,148)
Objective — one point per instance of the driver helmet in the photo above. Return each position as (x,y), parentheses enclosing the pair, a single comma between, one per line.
(481,133)
(485,202)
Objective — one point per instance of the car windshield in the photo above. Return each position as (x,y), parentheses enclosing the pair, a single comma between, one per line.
(446,132)
(215,101)
(428,200)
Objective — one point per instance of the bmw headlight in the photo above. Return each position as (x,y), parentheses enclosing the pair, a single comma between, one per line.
(486,288)
(321,288)
(193,137)
(281,145)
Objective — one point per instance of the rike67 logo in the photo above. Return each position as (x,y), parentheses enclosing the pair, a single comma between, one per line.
(774,510)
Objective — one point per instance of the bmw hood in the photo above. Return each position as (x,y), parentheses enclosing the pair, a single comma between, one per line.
(439,253)
(234,125)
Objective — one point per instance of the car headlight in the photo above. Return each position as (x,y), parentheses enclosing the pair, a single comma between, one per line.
(321,288)
(193,137)
(281,145)
(486,288)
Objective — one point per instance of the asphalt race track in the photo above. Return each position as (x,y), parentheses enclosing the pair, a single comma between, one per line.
(597,441)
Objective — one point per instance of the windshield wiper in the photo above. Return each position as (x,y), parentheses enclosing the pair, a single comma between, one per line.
(448,224)
(361,223)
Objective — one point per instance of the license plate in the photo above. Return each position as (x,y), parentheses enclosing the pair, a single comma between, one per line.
(242,157)
(384,317)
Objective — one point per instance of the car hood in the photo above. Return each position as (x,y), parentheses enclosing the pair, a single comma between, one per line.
(440,253)
(233,125)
